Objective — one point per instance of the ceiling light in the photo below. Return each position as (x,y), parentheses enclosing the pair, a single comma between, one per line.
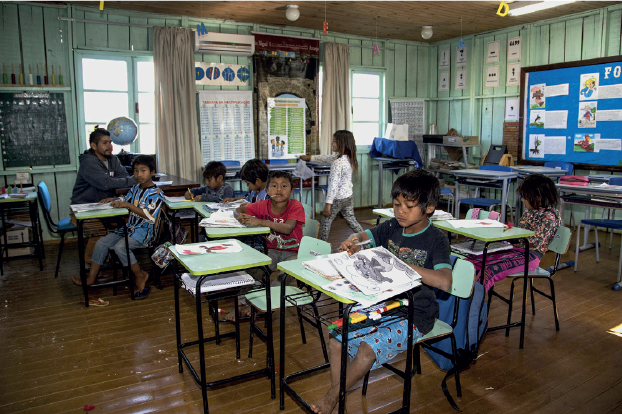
(292,13)
(523,7)
(426,32)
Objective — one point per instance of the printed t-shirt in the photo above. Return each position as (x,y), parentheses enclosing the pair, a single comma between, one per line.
(294,211)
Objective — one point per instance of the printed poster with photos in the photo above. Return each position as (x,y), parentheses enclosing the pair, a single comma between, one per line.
(286,128)
(226,119)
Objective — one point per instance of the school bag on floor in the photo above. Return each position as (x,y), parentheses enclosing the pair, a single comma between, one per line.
(470,327)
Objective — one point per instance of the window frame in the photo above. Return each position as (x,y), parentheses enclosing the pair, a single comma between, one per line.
(381,98)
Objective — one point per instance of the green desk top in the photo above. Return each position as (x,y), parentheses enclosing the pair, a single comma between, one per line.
(103,213)
(294,268)
(202,211)
(182,205)
(485,234)
(220,232)
(212,263)
(29,197)
(384,212)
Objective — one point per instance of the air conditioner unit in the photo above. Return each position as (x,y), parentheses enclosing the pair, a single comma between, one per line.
(224,44)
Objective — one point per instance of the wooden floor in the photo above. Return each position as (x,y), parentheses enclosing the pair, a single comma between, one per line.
(57,356)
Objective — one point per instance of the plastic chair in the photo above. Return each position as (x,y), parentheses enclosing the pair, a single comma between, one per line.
(323,188)
(63,227)
(487,202)
(563,165)
(450,197)
(608,224)
(309,248)
(559,245)
(308,210)
(463,274)
(310,229)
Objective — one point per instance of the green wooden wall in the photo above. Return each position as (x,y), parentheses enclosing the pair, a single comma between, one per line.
(33,34)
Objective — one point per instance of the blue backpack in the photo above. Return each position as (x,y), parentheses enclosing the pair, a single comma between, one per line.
(470,326)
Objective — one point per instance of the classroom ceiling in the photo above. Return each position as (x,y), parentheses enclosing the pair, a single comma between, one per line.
(395,19)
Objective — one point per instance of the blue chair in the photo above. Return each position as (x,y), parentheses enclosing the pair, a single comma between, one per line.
(450,198)
(231,163)
(563,165)
(604,223)
(486,202)
(63,227)
(277,161)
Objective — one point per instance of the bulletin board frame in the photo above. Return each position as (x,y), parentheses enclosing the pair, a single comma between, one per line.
(558,70)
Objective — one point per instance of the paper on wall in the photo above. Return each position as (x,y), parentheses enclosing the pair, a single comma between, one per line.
(461,56)
(537,97)
(536,147)
(587,114)
(610,92)
(607,144)
(554,145)
(443,81)
(537,118)
(492,76)
(511,109)
(444,59)
(588,86)
(513,78)
(610,115)
(556,120)
(461,78)
(493,52)
(557,90)
(514,47)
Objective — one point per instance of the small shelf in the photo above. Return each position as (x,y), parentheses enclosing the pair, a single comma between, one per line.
(33,88)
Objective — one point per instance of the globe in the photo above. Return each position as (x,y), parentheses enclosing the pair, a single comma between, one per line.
(123,131)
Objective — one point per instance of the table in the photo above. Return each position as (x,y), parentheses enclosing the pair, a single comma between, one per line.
(81,217)
(178,188)
(506,176)
(295,269)
(319,170)
(394,164)
(6,204)
(187,205)
(200,265)
(490,235)
(431,151)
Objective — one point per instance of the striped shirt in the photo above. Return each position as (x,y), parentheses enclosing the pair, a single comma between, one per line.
(150,201)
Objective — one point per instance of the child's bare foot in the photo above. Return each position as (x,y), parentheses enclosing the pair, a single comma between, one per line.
(141,280)
(245,311)
(78,282)
(327,404)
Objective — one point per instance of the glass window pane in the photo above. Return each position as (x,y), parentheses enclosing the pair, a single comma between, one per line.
(365,85)
(102,107)
(115,148)
(365,109)
(146,107)
(146,137)
(103,74)
(145,76)
(364,133)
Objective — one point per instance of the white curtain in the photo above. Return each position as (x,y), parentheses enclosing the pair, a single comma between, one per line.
(336,108)
(177,134)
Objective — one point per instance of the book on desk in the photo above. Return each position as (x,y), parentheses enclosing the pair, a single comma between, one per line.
(217,282)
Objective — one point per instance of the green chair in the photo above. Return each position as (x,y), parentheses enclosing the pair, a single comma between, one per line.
(308,210)
(309,248)
(310,229)
(559,245)
(463,275)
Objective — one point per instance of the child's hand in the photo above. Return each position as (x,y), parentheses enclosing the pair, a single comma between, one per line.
(188,195)
(305,157)
(249,220)
(227,200)
(348,246)
(326,212)
(120,204)
(108,200)
(197,198)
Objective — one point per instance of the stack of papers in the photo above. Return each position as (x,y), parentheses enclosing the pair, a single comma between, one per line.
(215,283)
(368,277)
(476,247)
(474,224)
(175,199)
(221,218)
(77,208)
(441,215)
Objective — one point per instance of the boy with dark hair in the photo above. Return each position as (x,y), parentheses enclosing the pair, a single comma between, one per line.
(144,201)
(216,189)
(411,237)
(255,174)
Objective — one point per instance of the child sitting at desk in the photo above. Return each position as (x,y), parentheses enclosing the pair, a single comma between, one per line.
(215,190)
(412,238)
(284,217)
(539,195)
(143,201)
(255,174)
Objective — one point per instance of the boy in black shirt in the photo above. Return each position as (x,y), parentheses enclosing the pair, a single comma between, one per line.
(412,238)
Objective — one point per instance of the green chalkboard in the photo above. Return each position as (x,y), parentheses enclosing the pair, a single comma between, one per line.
(33,129)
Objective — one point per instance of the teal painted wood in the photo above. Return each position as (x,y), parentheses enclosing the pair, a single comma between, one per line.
(558,40)
(497,121)
(591,37)
(367,52)
(504,48)
(466,119)
(57,51)
(442,116)
(453,92)
(614,19)
(574,39)
(412,62)
(486,128)
(455,116)
(33,42)
(154,21)
(400,63)
(96,34)
(503,66)
(139,36)
(433,73)
(77,31)
(423,74)
(9,32)
(482,55)
(389,76)
(119,36)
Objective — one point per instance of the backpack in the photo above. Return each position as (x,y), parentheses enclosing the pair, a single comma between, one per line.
(470,327)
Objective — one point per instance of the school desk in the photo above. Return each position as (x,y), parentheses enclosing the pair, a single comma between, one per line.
(81,217)
(295,269)
(490,235)
(475,174)
(431,151)
(178,206)
(30,202)
(206,265)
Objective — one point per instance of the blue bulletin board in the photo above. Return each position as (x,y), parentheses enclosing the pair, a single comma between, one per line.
(572,112)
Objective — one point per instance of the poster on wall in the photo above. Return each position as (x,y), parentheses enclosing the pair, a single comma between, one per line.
(443,81)
(589,86)
(493,52)
(511,109)
(461,56)
(286,128)
(514,47)
(461,78)
(226,125)
(492,76)
(221,74)
(412,113)
(513,78)
(444,59)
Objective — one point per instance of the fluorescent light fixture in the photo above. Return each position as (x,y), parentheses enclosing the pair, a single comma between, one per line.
(523,7)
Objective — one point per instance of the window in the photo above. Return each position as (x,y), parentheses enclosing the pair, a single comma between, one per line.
(113,86)
(367,90)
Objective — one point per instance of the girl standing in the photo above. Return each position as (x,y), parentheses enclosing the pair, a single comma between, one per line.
(339,194)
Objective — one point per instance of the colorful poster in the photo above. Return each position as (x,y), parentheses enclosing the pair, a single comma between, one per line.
(226,119)
(461,78)
(444,59)
(443,81)
(589,86)
(492,76)
(584,142)
(535,145)
(493,52)
(221,74)
(514,48)
(286,128)
(461,56)
(537,118)
(537,98)
(513,78)
(587,114)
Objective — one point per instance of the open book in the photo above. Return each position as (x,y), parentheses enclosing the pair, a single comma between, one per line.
(222,218)
(476,247)
(77,208)
(216,282)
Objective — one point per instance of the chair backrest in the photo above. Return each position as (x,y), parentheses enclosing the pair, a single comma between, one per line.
(44,196)
(463,278)
(307,209)
(495,168)
(230,163)
(561,240)
(483,214)
(563,165)
(615,181)
(278,162)
(310,228)
(311,244)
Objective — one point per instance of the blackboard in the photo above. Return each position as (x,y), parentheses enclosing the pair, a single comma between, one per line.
(589,93)
(33,129)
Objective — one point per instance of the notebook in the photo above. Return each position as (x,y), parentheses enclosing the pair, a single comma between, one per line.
(323,268)
(217,282)
(476,247)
